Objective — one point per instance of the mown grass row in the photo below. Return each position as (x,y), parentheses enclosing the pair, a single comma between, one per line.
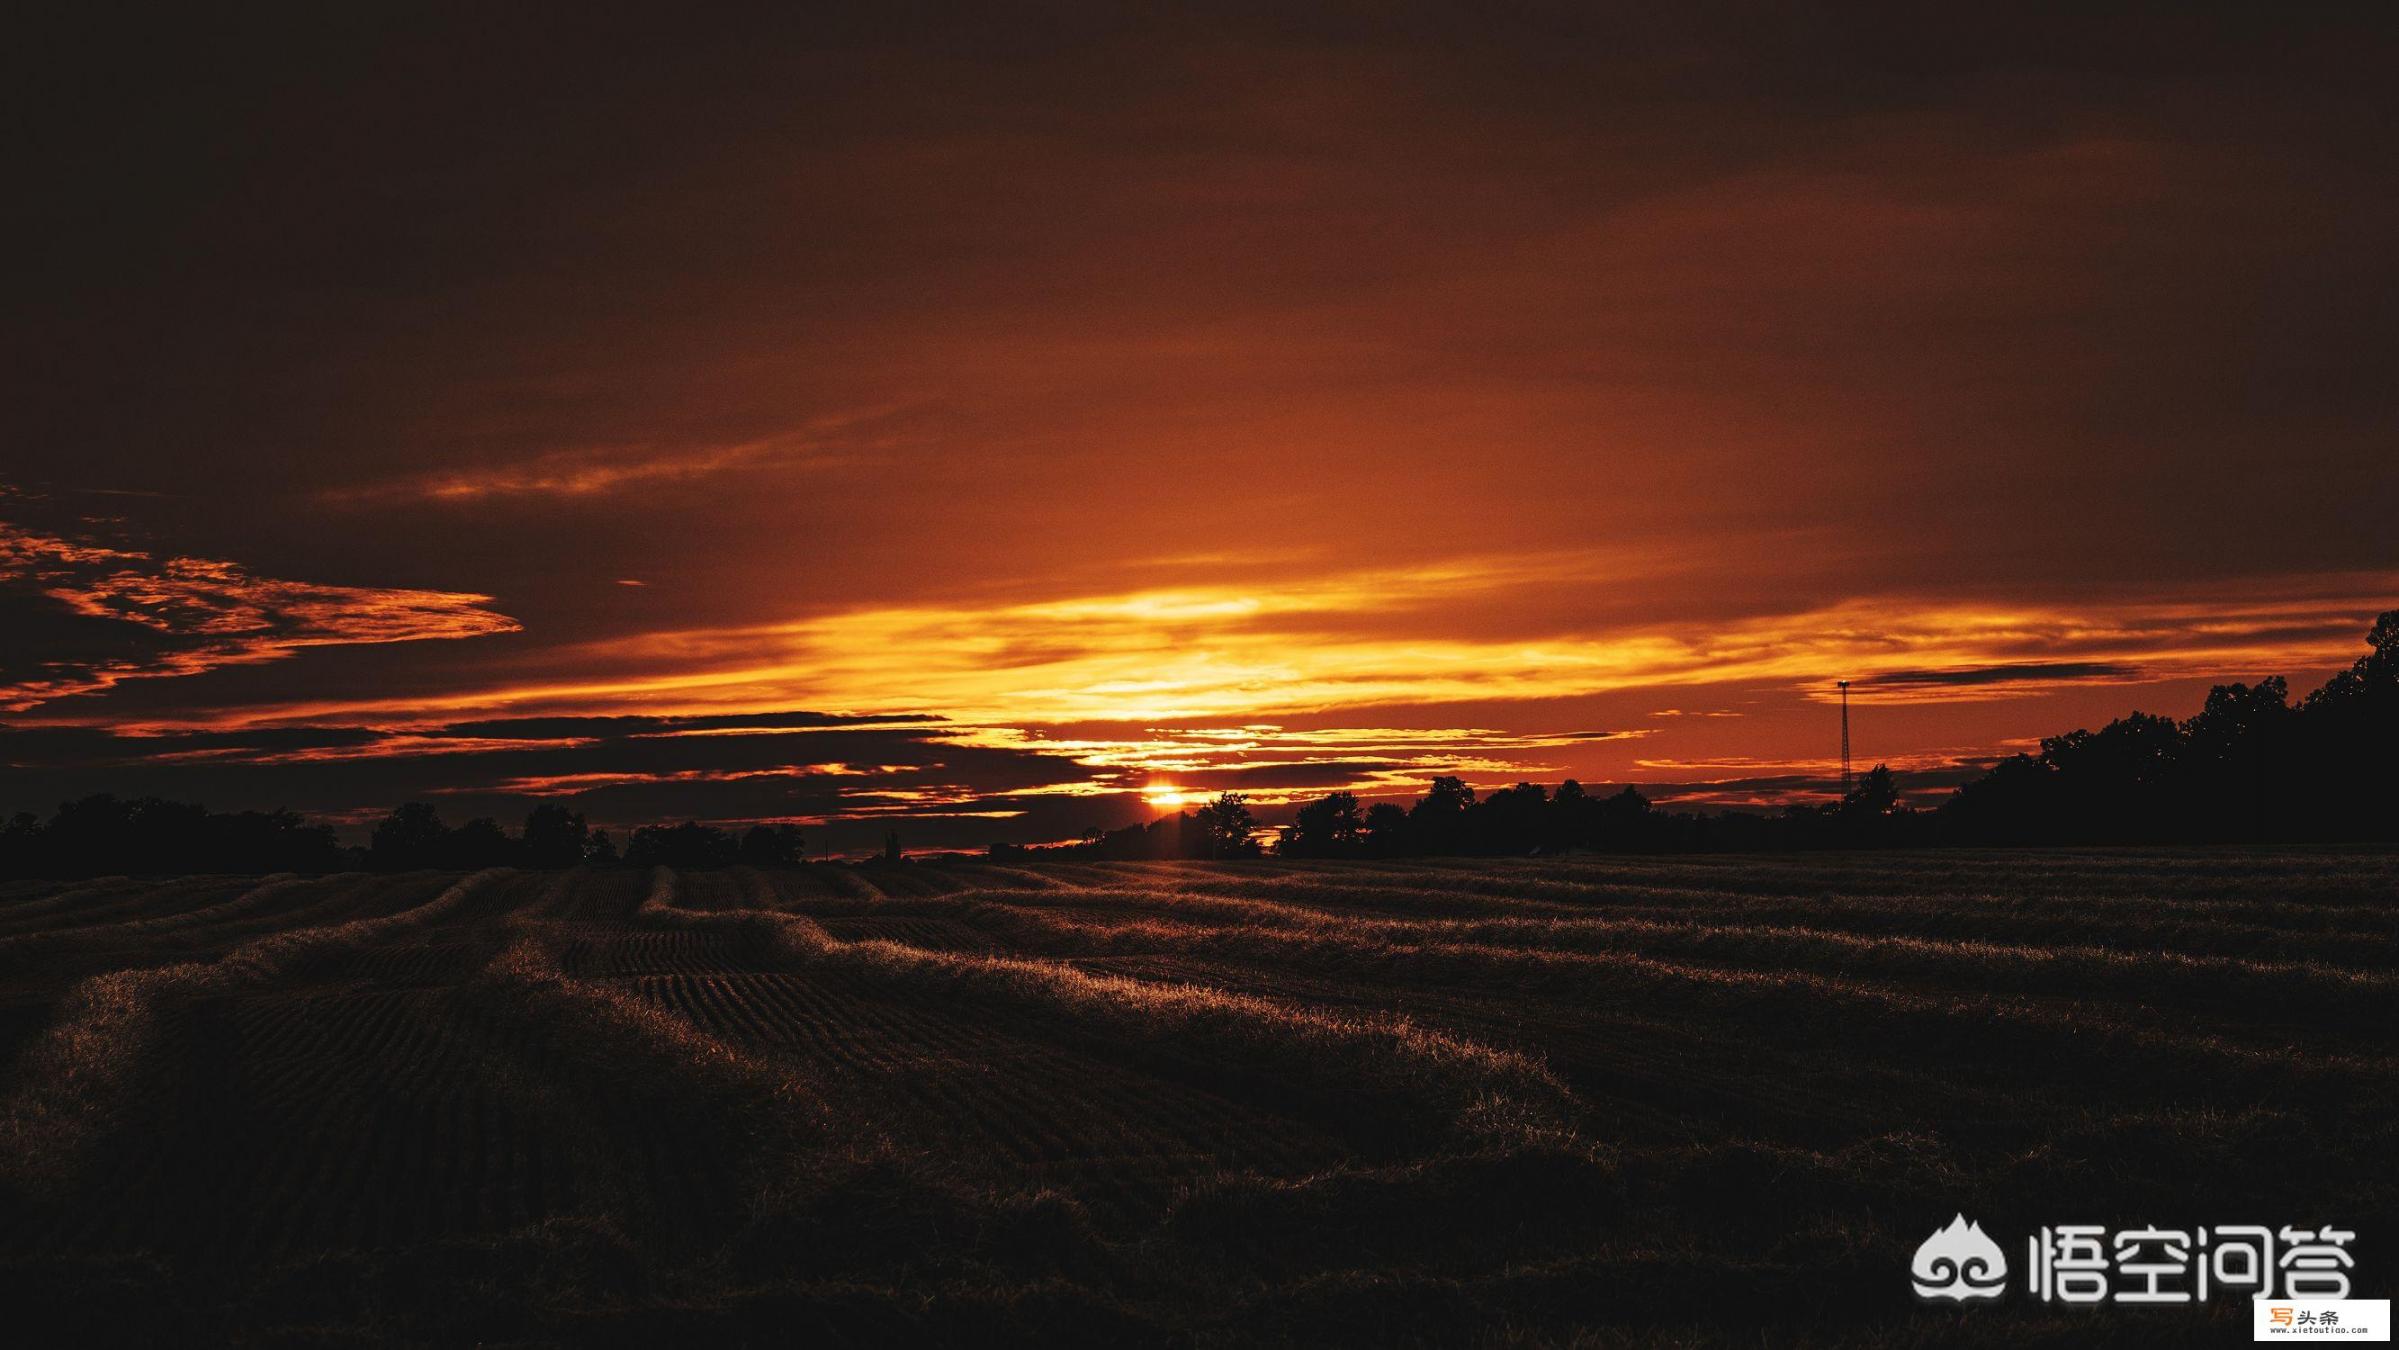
(74,1080)
(1439,894)
(2292,991)
(2335,880)
(2360,937)
(1445,1088)
(1501,1220)
(2096,1039)
(1766,1212)
(2309,876)
(823,1191)
(107,903)
(1478,1119)
(273,904)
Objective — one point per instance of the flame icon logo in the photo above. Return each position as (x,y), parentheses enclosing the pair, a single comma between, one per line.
(1959,1262)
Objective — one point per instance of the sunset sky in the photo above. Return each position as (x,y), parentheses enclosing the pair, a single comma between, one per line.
(1010,424)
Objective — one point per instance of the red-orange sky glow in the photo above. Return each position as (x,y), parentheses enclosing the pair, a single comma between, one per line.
(1010,425)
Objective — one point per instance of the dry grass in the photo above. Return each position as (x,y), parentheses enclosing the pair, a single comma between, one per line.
(76,1079)
(1584,1101)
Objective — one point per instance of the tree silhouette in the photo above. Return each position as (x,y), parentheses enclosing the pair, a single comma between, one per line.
(1225,825)
(2237,745)
(409,838)
(478,844)
(772,846)
(2349,740)
(1511,821)
(2249,765)
(1875,795)
(554,837)
(1328,828)
(688,845)
(1437,822)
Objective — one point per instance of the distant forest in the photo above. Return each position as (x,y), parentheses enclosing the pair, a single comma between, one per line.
(2249,767)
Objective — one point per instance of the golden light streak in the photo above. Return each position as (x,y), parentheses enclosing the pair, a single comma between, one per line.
(1367,639)
(600,469)
(1192,653)
(395,747)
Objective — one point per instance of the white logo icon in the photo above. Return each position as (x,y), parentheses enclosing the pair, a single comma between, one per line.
(1959,1262)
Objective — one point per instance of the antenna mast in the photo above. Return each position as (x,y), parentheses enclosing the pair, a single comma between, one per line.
(1844,740)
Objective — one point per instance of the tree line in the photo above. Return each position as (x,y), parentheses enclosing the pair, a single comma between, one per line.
(414,836)
(104,835)
(2250,766)
(1451,819)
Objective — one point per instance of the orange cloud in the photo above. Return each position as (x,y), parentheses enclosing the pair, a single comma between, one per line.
(394,747)
(1389,637)
(1361,640)
(209,614)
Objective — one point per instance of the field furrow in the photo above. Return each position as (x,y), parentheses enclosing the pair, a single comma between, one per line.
(1378,1101)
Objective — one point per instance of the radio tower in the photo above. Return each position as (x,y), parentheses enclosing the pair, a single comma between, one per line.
(1844,740)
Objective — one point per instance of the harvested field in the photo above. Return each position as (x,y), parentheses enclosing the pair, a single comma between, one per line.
(1597,1101)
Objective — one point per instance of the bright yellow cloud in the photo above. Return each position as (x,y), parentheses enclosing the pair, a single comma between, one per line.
(1387,638)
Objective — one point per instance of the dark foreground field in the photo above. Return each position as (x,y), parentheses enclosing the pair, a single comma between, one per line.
(1608,1100)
